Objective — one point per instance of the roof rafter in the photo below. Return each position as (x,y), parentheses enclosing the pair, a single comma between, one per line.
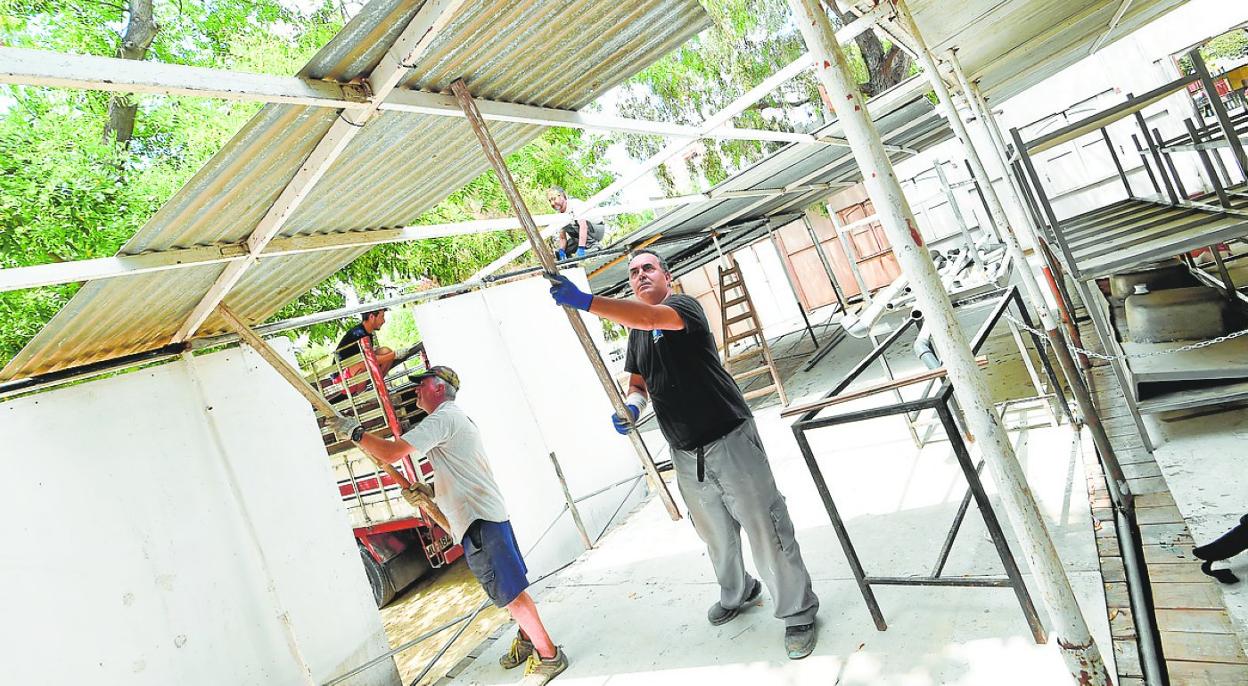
(432,17)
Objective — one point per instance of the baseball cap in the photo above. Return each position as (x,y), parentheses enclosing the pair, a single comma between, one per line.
(445,373)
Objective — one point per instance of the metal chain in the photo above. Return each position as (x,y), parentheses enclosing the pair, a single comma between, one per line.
(1128,356)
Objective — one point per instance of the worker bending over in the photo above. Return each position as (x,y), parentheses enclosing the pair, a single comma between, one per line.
(473,505)
(721,467)
(578,235)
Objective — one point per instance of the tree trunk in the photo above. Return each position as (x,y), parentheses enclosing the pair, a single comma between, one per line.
(140,32)
(884,69)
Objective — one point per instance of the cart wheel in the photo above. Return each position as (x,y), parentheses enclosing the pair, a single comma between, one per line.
(378,579)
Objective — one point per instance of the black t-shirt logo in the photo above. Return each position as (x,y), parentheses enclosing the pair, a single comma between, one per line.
(655,335)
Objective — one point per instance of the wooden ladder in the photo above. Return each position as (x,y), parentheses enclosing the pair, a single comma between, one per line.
(733,295)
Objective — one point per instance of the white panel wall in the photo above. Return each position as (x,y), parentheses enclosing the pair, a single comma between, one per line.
(529,387)
(177,525)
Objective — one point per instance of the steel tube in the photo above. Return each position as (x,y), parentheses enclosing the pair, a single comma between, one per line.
(547,260)
(1219,111)
(1078,649)
(827,264)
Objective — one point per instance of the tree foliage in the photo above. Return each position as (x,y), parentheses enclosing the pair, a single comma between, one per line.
(68,193)
(749,41)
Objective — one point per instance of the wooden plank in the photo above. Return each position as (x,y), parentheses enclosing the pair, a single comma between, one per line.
(1146,500)
(1203,647)
(1121,623)
(1127,658)
(1116,595)
(1158,515)
(1141,470)
(1151,485)
(1183,673)
(1165,534)
(1168,554)
(1187,573)
(1112,569)
(1180,596)
(1195,621)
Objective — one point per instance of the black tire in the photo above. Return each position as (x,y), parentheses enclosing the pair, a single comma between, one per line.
(378,579)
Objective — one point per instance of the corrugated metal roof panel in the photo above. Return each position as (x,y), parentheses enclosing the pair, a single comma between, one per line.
(556,53)
(904,117)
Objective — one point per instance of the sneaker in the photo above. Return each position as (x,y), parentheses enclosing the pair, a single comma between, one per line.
(538,670)
(799,640)
(521,649)
(718,614)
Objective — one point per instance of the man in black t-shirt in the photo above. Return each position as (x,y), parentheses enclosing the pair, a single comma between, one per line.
(721,467)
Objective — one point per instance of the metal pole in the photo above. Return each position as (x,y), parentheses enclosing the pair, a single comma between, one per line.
(1079,650)
(567,495)
(852,255)
(957,216)
(1031,286)
(495,157)
(827,265)
(1219,110)
(1144,159)
(1223,199)
(784,266)
(1174,171)
(1152,149)
(1113,155)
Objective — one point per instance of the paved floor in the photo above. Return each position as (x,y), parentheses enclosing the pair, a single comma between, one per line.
(633,610)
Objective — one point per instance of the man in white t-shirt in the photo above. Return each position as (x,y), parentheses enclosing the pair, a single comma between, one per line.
(578,235)
(474,509)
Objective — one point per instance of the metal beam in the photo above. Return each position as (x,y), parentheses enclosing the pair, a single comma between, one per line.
(1078,649)
(411,44)
(20,66)
(715,121)
(547,260)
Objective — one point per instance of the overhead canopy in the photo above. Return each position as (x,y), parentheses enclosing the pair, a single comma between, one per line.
(1009,45)
(741,206)
(552,53)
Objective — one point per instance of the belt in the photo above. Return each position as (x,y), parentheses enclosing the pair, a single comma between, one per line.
(701,452)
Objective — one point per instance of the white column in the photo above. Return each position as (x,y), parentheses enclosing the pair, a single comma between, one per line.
(1082,656)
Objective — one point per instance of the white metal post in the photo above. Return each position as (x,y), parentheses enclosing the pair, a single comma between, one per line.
(1031,286)
(1079,650)
(958,218)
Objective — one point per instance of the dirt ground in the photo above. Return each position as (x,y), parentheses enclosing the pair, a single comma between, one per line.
(444,596)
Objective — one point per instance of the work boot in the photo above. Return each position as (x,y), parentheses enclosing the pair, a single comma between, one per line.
(538,670)
(718,614)
(521,649)
(799,640)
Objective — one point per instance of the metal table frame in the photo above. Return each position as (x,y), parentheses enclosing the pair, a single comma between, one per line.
(939,401)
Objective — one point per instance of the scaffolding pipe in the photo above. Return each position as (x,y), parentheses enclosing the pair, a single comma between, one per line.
(1078,649)
(495,157)
(957,215)
(1031,286)
(827,264)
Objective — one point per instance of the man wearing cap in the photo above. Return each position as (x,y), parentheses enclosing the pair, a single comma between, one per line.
(473,505)
(721,467)
(578,235)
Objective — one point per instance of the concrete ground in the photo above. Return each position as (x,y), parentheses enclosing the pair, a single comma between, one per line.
(633,610)
(1202,459)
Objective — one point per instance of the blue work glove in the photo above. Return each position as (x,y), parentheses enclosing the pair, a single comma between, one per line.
(621,426)
(561,255)
(567,294)
(580,252)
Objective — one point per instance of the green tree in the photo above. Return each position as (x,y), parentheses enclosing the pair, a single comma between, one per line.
(749,40)
(69,192)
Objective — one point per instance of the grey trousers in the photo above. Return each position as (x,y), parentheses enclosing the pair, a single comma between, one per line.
(739,492)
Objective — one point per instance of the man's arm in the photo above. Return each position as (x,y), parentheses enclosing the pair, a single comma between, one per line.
(636,384)
(382,449)
(637,315)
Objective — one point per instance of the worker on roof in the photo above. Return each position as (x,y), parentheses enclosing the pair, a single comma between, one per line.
(473,506)
(721,466)
(578,235)
(349,346)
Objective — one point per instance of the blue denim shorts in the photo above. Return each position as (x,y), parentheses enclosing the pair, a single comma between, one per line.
(494,558)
